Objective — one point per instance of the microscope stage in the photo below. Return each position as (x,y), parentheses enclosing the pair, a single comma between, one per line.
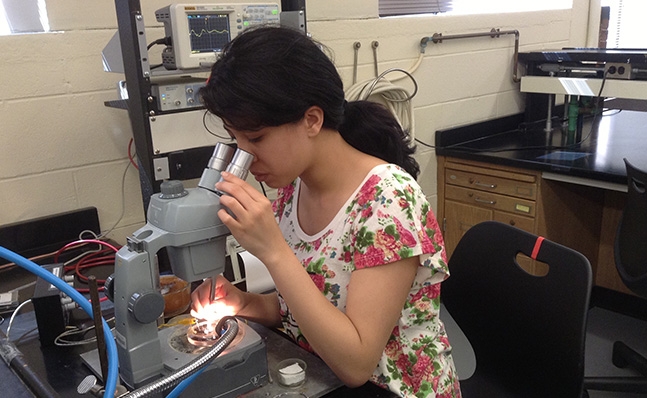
(241,367)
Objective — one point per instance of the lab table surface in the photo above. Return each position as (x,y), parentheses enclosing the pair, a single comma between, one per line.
(64,370)
(596,155)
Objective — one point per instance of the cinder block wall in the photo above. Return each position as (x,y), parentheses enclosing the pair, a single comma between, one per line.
(62,149)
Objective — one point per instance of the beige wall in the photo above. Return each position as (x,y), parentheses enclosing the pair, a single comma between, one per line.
(62,149)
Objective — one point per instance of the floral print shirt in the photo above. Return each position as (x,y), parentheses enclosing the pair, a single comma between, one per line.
(387,219)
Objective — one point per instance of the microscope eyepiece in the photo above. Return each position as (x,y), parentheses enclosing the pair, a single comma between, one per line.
(240,163)
(235,161)
(221,156)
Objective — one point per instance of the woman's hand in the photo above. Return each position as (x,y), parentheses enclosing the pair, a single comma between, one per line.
(229,300)
(253,223)
(260,308)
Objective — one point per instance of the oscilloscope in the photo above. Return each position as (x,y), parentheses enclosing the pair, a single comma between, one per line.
(200,31)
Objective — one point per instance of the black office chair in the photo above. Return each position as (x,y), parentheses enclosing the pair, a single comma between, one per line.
(631,263)
(527,331)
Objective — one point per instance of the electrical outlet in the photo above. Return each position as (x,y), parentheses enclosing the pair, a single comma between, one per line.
(617,70)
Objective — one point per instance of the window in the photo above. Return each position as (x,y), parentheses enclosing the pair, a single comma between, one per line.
(627,28)
(23,16)
(402,7)
(500,6)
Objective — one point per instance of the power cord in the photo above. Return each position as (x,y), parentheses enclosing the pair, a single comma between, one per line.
(396,99)
(13,316)
(164,40)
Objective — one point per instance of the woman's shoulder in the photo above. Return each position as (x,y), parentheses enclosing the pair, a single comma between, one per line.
(389,191)
(393,174)
(393,181)
(390,218)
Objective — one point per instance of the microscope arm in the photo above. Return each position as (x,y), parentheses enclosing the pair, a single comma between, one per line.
(185,222)
(194,255)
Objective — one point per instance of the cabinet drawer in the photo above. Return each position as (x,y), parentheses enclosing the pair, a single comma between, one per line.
(482,182)
(521,222)
(490,200)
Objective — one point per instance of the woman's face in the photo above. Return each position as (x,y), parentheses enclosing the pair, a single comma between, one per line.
(280,153)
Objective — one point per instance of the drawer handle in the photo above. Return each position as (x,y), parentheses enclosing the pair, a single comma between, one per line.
(487,202)
(484,185)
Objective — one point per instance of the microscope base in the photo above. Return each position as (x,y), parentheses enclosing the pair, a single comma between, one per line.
(242,367)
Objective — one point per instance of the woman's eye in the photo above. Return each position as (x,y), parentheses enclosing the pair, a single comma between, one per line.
(254,140)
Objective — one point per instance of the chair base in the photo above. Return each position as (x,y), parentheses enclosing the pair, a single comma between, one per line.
(616,384)
(487,385)
(623,356)
(479,386)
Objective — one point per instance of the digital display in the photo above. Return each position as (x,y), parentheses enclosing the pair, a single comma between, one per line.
(208,32)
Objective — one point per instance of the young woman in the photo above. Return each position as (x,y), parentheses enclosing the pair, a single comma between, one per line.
(351,242)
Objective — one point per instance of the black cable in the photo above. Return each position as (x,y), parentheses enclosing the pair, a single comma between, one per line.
(425,144)
(164,40)
(16,361)
(204,123)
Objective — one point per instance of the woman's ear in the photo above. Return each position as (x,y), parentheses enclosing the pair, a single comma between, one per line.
(313,119)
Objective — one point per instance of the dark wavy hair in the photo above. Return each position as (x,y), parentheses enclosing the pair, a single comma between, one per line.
(269,76)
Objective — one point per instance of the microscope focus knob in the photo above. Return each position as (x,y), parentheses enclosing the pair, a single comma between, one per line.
(172,189)
(109,288)
(146,307)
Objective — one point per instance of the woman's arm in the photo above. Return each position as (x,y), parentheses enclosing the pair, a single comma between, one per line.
(350,343)
(263,309)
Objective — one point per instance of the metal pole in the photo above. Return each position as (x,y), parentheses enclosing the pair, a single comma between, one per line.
(139,90)
(493,33)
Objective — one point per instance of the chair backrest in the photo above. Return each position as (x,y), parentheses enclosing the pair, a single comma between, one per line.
(527,331)
(629,251)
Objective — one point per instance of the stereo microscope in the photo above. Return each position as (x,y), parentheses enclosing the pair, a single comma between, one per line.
(185,222)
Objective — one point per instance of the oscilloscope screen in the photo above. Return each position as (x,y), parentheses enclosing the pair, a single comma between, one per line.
(208,32)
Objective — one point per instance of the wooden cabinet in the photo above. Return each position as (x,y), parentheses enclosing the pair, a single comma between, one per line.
(470,192)
(474,193)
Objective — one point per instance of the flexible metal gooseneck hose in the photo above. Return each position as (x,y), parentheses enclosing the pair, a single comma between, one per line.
(192,367)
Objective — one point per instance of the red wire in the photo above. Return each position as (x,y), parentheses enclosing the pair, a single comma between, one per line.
(83,242)
(130,155)
(104,256)
(102,299)
(86,290)
(92,260)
